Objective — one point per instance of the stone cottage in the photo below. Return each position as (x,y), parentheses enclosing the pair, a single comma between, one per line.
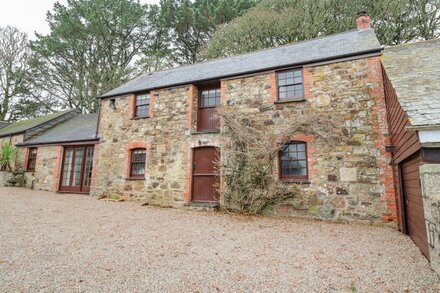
(156,138)
(56,151)
(159,134)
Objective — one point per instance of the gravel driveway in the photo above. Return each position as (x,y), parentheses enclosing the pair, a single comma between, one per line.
(63,242)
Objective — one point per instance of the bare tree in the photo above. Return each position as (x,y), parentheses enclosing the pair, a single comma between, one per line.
(15,56)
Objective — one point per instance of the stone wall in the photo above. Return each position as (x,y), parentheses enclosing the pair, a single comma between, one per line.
(430,178)
(348,181)
(46,174)
(164,134)
(4,177)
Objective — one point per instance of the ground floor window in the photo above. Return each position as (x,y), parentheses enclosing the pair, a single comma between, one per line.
(32,159)
(293,161)
(137,162)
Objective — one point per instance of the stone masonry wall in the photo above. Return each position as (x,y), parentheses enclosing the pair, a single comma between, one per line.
(46,174)
(164,134)
(348,181)
(430,177)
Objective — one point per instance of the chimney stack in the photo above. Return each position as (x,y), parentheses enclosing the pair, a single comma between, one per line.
(363,20)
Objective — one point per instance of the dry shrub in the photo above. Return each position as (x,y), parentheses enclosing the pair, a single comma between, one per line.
(250,148)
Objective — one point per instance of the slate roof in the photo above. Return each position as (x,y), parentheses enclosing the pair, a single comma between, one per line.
(315,50)
(24,125)
(414,71)
(3,124)
(79,128)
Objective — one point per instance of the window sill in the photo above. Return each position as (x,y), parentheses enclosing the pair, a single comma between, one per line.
(135,178)
(297,181)
(290,101)
(205,131)
(140,118)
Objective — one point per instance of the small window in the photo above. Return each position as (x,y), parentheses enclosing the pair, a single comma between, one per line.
(210,98)
(142,106)
(293,161)
(290,85)
(32,159)
(137,163)
(209,101)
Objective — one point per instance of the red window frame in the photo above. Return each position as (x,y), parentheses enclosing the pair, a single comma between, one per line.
(290,84)
(31,159)
(142,101)
(136,161)
(296,158)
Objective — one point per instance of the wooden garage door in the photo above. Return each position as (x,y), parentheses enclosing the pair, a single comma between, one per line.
(412,195)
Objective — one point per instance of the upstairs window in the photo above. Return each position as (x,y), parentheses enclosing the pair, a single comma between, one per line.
(137,163)
(209,101)
(32,159)
(293,161)
(290,85)
(142,106)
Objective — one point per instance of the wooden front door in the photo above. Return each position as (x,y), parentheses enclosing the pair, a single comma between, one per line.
(76,171)
(205,177)
(413,203)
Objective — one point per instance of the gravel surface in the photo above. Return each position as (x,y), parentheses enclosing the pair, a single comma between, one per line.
(63,242)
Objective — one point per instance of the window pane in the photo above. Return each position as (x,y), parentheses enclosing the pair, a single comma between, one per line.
(77,167)
(89,167)
(293,160)
(67,167)
(138,158)
(290,84)
(142,99)
(210,98)
(142,111)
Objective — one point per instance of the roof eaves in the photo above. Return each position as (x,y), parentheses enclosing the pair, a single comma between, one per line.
(79,141)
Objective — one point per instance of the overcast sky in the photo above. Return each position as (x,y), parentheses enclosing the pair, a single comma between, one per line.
(30,15)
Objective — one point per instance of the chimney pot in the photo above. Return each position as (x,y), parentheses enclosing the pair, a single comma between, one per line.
(363,21)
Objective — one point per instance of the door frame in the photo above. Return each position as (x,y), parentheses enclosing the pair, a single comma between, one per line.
(60,179)
(193,149)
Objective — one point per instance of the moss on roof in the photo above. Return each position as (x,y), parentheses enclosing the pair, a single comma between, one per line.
(22,126)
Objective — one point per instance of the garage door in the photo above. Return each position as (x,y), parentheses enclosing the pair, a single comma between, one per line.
(412,195)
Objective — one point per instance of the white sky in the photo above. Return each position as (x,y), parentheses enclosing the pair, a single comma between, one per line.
(30,15)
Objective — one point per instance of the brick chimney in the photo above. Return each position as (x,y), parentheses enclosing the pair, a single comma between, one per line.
(363,20)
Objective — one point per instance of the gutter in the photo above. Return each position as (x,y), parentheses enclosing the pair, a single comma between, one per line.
(67,142)
(426,127)
(310,62)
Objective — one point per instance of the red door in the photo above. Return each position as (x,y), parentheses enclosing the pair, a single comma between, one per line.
(413,202)
(205,176)
(76,171)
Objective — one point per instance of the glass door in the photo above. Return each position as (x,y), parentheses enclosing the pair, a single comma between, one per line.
(77,169)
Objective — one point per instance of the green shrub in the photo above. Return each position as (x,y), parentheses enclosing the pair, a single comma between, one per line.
(8,156)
